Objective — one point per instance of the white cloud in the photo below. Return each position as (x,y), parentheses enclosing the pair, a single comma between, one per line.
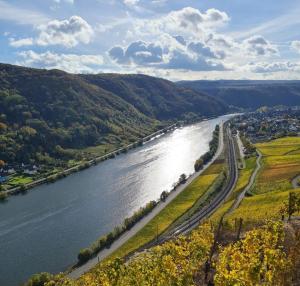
(169,53)
(67,62)
(296,46)
(20,43)
(187,22)
(67,1)
(131,2)
(274,67)
(259,46)
(68,33)
(139,53)
(21,16)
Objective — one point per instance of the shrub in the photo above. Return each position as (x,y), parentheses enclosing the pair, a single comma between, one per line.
(3,196)
(84,255)
(39,279)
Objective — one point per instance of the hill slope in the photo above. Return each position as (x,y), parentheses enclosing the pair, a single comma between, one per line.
(249,94)
(42,111)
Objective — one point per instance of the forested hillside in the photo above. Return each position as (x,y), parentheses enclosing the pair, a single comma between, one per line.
(249,94)
(44,114)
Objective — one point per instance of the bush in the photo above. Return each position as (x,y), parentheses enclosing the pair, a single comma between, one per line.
(39,279)
(182,179)
(107,240)
(3,196)
(84,255)
(164,195)
(198,164)
(213,147)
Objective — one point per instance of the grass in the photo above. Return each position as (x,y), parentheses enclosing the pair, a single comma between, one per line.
(281,163)
(181,204)
(19,180)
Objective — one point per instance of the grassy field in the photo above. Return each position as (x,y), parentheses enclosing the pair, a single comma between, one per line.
(281,163)
(19,180)
(181,204)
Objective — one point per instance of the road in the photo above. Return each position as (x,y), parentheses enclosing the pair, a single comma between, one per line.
(75,273)
(250,184)
(295,182)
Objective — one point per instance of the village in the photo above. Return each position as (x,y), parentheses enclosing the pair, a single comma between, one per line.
(269,123)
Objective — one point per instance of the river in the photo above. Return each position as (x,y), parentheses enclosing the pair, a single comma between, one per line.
(44,229)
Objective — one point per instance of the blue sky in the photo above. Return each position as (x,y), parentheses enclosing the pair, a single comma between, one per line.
(207,39)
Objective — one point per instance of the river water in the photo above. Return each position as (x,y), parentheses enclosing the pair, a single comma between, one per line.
(44,229)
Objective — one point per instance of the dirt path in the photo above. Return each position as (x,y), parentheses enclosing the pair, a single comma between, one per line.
(295,182)
(250,184)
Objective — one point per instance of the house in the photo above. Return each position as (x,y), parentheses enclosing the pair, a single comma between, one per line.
(3,179)
(31,170)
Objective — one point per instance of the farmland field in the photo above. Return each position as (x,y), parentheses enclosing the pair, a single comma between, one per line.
(280,164)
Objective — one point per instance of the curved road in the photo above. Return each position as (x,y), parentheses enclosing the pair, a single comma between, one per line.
(295,182)
(75,273)
(250,184)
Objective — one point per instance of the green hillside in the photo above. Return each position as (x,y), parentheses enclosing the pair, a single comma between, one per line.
(49,114)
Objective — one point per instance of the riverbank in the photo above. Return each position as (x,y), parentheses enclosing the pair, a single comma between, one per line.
(75,273)
(61,218)
(87,164)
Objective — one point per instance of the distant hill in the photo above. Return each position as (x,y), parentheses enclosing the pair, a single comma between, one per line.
(249,94)
(44,112)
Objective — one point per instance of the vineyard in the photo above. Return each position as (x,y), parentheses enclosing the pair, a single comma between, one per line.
(261,257)
(273,184)
(255,244)
(281,163)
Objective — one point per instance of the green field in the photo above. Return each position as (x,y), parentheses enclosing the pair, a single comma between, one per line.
(15,181)
(181,204)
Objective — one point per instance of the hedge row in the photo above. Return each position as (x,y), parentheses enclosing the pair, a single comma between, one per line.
(106,240)
(213,147)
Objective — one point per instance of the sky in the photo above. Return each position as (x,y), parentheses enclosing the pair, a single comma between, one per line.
(173,39)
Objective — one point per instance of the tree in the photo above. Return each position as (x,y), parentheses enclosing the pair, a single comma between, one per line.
(293,204)
(2,163)
(39,279)
(198,165)
(163,196)
(84,255)
(3,127)
(182,178)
